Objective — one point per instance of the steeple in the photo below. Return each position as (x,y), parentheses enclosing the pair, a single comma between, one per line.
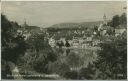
(104,19)
(25,23)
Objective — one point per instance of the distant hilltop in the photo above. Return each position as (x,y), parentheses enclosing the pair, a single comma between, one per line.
(77,25)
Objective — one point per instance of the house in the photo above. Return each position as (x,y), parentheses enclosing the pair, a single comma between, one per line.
(63,40)
(94,33)
(27,30)
(96,42)
(52,42)
(106,30)
(99,28)
(75,43)
(119,30)
(70,42)
(81,40)
(75,32)
(83,32)
(85,45)
(27,35)
(89,39)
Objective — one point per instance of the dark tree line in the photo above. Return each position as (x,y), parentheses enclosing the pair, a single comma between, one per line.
(13,44)
(34,52)
(118,20)
(112,58)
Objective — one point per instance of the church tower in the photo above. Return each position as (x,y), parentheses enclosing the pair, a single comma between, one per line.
(104,19)
(25,24)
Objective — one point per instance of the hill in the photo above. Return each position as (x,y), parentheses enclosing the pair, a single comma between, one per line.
(77,25)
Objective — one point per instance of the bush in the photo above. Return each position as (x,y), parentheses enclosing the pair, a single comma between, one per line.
(71,75)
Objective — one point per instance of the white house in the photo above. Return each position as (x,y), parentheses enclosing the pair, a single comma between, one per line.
(81,40)
(96,42)
(27,35)
(119,30)
(52,42)
(85,45)
(63,40)
(75,44)
(89,38)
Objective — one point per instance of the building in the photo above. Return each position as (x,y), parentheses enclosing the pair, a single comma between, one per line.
(120,30)
(103,28)
(75,44)
(52,42)
(89,38)
(81,40)
(96,42)
(85,45)
(27,30)
(104,19)
(63,40)
(104,22)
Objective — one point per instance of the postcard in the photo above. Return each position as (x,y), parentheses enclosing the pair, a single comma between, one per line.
(63,40)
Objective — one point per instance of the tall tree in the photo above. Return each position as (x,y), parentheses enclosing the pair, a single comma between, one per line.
(115,20)
(123,19)
(112,60)
(41,51)
(13,44)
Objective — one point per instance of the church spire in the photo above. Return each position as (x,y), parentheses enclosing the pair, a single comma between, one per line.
(104,19)
(25,23)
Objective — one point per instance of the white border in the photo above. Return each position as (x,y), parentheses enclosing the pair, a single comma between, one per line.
(62,0)
(0,40)
(127,40)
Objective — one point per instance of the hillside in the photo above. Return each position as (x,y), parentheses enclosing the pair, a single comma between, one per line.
(77,25)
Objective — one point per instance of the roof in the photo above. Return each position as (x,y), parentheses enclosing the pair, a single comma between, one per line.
(106,28)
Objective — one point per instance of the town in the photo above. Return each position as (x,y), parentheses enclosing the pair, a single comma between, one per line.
(76,37)
(60,40)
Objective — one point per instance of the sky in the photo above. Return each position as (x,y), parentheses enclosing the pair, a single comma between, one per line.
(47,13)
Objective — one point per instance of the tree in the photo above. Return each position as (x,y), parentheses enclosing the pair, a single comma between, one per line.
(41,51)
(88,72)
(74,60)
(112,61)
(123,19)
(115,20)
(118,20)
(67,44)
(13,44)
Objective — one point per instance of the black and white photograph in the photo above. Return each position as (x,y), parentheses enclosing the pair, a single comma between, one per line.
(64,40)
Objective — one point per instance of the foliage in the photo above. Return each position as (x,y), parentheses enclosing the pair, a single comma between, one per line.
(87,72)
(123,18)
(115,20)
(118,20)
(59,67)
(41,64)
(74,60)
(71,75)
(39,53)
(112,59)
(37,42)
(13,44)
